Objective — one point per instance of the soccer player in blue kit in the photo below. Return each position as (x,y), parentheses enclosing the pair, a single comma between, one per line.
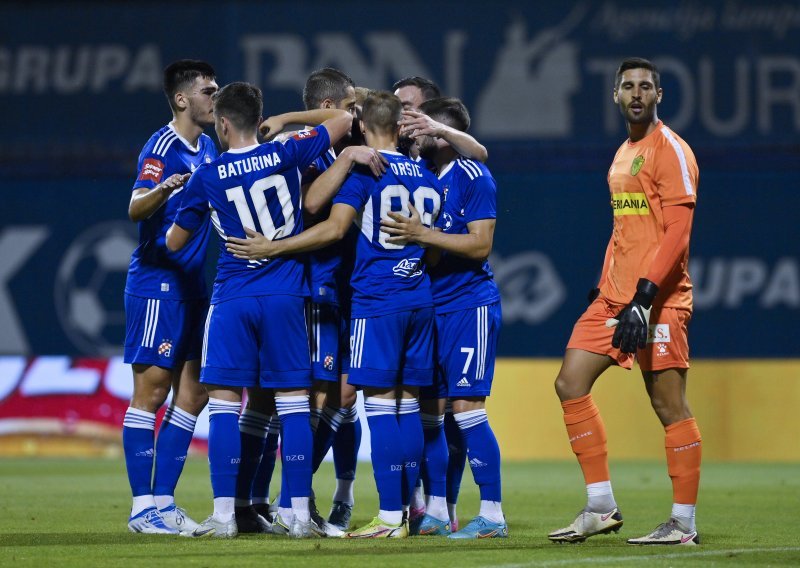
(468,318)
(165,305)
(256,333)
(391,330)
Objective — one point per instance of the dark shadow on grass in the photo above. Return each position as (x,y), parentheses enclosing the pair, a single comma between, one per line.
(77,539)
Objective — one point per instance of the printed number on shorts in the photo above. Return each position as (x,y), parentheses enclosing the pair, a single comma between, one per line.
(470,351)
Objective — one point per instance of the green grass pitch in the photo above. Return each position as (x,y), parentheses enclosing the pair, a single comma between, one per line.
(74,513)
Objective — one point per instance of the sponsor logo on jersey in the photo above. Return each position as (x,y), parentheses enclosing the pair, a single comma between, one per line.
(658,333)
(408,268)
(630,204)
(152,170)
(305,134)
(165,348)
(636,165)
(662,350)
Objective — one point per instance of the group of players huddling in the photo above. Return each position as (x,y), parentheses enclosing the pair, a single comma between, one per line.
(353,255)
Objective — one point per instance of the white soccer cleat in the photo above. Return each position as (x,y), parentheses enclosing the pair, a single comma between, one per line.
(150,521)
(176,518)
(280,526)
(671,532)
(211,527)
(308,529)
(588,524)
(327,528)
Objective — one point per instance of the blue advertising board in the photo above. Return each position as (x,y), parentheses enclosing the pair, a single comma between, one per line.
(80,84)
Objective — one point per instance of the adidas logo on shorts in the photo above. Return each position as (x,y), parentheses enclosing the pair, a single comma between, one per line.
(463,382)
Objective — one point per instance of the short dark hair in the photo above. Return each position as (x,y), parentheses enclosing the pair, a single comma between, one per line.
(182,73)
(429,89)
(327,83)
(638,63)
(382,111)
(241,103)
(449,110)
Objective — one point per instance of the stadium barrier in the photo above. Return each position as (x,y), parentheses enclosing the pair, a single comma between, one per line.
(745,409)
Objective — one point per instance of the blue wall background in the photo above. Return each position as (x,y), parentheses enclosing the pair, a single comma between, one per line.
(80,87)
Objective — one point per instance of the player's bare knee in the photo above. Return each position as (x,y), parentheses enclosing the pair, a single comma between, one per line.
(193,403)
(568,389)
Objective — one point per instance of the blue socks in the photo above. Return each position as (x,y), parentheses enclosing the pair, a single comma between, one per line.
(436,455)
(458,457)
(294,413)
(260,491)
(253,429)
(137,442)
(327,426)
(172,446)
(413,443)
(224,446)
(387,452)
(346,444)
(483,452)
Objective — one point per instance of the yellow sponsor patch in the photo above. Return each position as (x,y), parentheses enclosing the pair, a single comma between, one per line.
(630,204)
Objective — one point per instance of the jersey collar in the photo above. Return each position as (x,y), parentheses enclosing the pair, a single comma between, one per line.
(194,149)
(241,150)
(446,169)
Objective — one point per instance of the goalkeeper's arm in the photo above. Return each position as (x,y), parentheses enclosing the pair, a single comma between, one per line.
(632,322)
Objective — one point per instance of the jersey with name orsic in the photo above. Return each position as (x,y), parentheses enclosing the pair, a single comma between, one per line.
(658,171)
(155,271)
(389,278)
(325,265)
(470,194)
(256,187)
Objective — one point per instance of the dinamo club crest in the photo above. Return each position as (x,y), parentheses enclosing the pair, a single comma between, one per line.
(328,362)
(637,164)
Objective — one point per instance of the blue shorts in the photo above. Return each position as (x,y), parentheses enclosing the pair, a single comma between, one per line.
(466,346)
(163,332)
(257,341)
(329,333)
(392,349)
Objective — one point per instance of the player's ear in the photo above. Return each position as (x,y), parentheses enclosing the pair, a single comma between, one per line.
(659,94)
(327,103)
(616,97)
(362,127)
(180,100)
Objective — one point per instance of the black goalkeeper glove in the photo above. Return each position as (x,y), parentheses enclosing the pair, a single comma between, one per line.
(592,295)
(632,321)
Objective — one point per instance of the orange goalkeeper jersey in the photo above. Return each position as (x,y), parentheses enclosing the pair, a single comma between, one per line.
(658,171)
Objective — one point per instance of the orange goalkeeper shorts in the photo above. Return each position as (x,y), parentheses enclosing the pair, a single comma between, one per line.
(667,342)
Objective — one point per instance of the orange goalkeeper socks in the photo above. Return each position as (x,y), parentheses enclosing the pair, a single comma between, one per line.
(684,448)
(587,436)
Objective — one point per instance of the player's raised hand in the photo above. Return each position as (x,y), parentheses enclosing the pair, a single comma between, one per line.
(414,124)
(271,127)
(255,247)
(633,321)
(403,229)
(173,182)
(367,156)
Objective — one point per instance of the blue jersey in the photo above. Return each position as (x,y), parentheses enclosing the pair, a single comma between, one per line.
(155,272)
(328,267)
(257,187)
(389,278)
(470,194)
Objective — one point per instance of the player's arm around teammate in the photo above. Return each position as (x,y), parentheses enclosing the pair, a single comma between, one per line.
(165,303)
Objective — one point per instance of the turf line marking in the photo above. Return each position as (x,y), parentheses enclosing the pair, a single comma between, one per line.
(640,557)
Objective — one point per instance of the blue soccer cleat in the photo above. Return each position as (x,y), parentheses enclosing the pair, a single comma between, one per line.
(150,521)
(481,527)
(431,526)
